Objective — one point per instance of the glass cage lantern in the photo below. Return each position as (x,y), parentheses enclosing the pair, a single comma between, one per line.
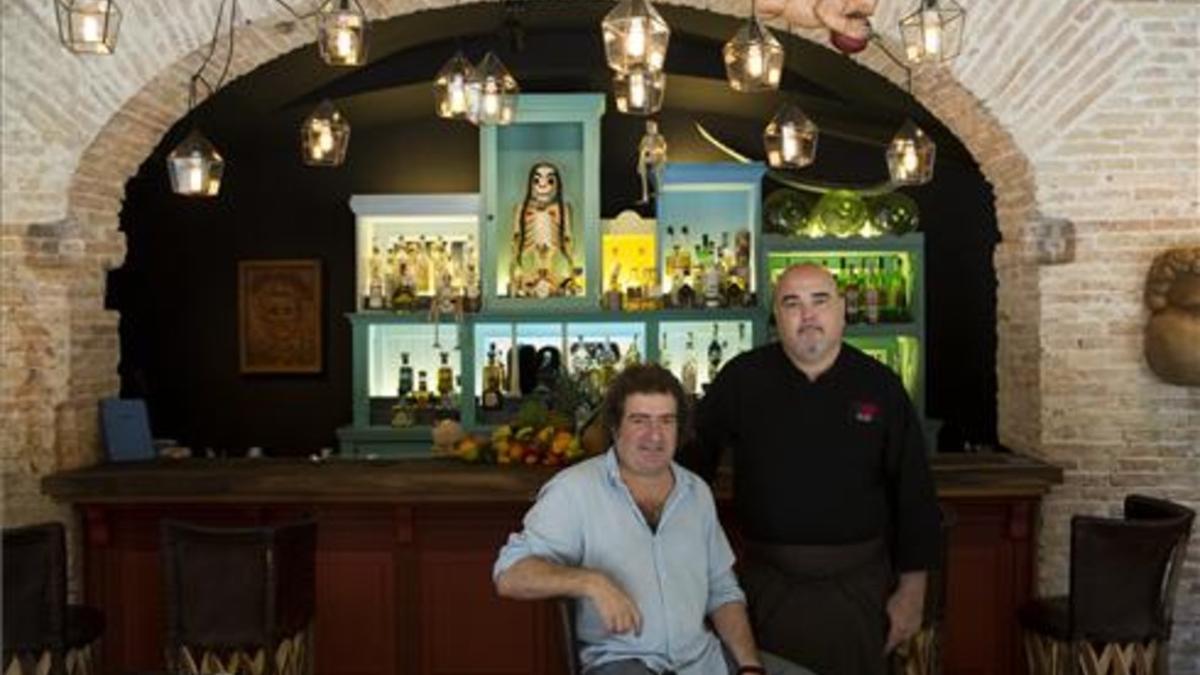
(635,36)
(910,156)
(639,92)
(325,136)
(195,167)
(88,26)
(933,33)
(450,88)
(492,93)
(342,33)
(790,139)
(753,58)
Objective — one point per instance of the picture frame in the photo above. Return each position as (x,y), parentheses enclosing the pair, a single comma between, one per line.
(279,316)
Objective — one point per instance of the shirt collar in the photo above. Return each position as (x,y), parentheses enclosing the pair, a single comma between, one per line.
(613,470)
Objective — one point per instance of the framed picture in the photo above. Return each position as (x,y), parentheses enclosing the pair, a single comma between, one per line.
(279,316)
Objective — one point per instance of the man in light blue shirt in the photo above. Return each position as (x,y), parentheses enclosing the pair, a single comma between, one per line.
(635,539)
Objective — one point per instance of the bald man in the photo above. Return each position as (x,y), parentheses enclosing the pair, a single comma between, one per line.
(831,486)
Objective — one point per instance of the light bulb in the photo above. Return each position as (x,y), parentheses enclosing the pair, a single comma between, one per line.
(491,99)
(908,158)
(635,42)
(195,176)
(931,30)
(344,43)
(324,138)
(89,28)
(790,144)
(637,90)
(457,95)
(754,60)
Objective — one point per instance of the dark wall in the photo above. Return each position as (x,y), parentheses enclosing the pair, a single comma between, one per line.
(177,292)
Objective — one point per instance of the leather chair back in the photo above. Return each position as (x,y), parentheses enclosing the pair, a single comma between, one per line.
(1121,570)
(236,587)
(35,588)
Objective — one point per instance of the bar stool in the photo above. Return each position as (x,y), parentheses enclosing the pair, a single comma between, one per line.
(1116,617)
(239,600)
(922,653)
(42,633)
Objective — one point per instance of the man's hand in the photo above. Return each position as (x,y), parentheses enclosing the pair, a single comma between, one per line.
(905,608)
(618,611)
(848,17)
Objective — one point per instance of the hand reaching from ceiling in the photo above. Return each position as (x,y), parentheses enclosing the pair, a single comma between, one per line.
(848,17)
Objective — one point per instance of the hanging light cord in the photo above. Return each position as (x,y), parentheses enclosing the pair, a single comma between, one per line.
(197,79)
(819,187)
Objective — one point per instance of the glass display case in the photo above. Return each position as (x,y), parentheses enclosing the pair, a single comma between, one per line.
(709,224)
(540,177)
(882,279)
(416,252)
(695,350)
(629,268)
(517,362)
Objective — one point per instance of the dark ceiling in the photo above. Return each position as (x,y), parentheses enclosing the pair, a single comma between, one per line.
(555,46)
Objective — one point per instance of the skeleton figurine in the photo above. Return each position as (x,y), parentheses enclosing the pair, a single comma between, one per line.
(652,158)
(542,236)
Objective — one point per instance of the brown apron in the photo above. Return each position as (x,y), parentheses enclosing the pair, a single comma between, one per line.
(822,607)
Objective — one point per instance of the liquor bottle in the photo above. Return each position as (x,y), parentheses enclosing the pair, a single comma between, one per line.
(689,367)
(445,376)
(493,382)
(871,293)
(715,353)
(375,262)
(897,292)
(840,276)
(712,275)
(684,258)
(404,297)
(405,377)
(664,358)
(852,294)
(422,400)
(632,355)
(671,260)
(687,292)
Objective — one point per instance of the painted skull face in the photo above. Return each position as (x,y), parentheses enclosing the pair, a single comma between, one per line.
(544,185)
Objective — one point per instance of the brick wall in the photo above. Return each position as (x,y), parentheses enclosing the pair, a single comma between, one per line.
(1083,109)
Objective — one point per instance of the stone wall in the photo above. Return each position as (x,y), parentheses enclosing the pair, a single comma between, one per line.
(1080,109)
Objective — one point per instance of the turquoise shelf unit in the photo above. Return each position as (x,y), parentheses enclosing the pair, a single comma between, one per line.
(900,344)
(710,199)
(564,130)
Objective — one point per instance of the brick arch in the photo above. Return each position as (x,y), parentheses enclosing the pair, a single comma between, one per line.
(131,133)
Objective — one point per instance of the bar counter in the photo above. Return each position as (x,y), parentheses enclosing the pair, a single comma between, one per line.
(405,549)
(433,480)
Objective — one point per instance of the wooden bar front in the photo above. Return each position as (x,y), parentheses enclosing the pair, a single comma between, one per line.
(405,552)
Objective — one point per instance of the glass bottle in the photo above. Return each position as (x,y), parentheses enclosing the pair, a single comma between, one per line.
(871,292)
(897,292)
(689,366)
(493,382)
(684,257)
(405,377)
(852,295)
(664,357)
(422,399)
(632,355)
(716,353)
(445,376)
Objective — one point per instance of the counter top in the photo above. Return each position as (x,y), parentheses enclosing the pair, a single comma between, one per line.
(443,480)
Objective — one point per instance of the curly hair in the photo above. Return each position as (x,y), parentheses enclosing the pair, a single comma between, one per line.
(643,378)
